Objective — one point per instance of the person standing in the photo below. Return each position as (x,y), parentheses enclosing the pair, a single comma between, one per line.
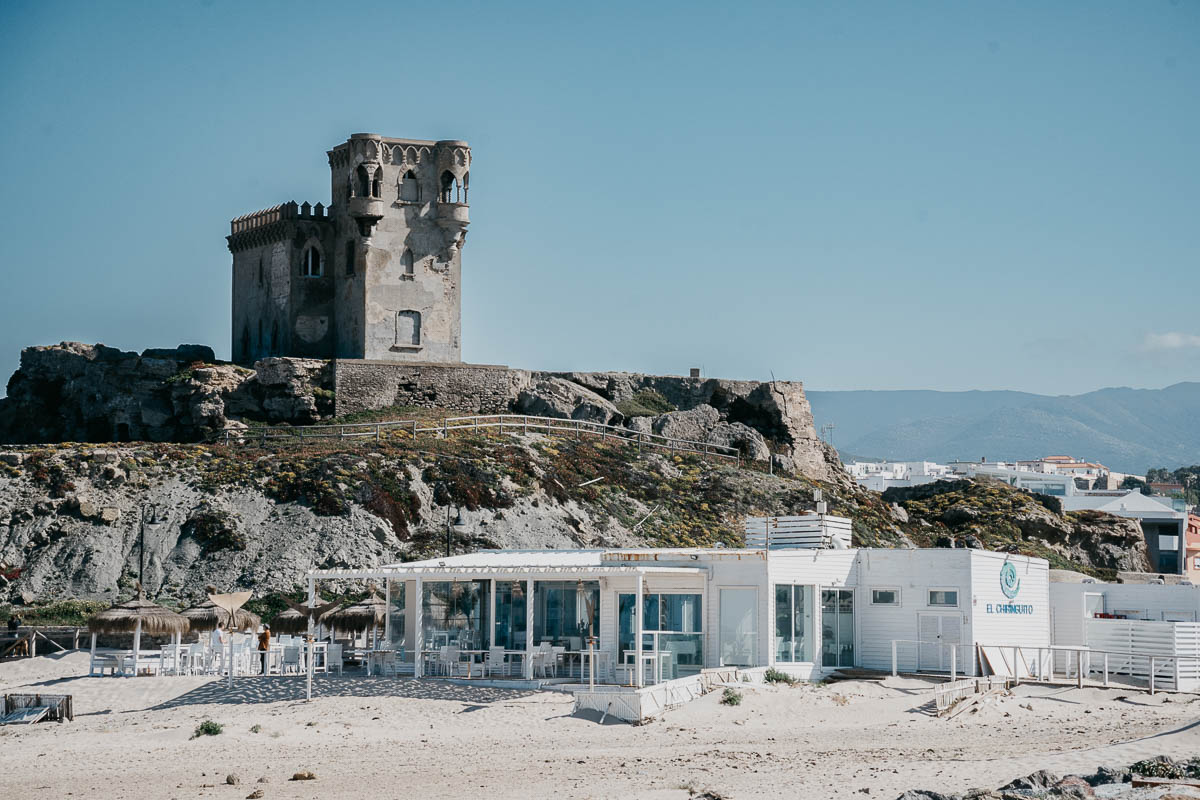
(217,644)
(264,646)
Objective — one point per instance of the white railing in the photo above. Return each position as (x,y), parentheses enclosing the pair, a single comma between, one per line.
(953,647)
(503,423)
(1039,664)
(947,695)
(808,531)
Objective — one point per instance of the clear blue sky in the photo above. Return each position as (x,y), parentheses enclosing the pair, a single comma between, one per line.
(945,195)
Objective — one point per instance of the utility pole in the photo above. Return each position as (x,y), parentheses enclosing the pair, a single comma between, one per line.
(154,520)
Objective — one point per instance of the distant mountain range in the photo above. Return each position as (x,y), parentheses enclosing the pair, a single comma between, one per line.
(1128,430)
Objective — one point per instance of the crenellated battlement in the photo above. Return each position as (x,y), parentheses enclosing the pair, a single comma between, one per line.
(269,216)
(255,228)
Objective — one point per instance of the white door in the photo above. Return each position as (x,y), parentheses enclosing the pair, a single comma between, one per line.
(739,627)
(934,631)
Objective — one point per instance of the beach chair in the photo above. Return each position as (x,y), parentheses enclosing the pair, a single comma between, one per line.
(448,658)
(496,662)
(291,660)
(333,658)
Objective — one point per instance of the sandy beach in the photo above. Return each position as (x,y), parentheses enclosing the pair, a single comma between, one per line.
(390,737)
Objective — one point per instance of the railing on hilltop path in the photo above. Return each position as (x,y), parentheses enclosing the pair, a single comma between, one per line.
(505,423)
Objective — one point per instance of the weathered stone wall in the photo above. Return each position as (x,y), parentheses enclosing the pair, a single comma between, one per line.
(470,388)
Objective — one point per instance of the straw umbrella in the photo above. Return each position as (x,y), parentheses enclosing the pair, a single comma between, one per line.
(135,616)
(204,616)
(371,612)
(295,619)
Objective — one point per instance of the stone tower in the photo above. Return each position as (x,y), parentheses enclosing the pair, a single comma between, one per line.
(374,276)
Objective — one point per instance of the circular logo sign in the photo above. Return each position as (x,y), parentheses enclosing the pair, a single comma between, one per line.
(1010,584)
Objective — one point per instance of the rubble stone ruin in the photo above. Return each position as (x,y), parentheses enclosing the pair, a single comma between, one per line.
(375,275)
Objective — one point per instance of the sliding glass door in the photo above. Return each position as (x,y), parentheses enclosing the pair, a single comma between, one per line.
(837,627)
(739,627)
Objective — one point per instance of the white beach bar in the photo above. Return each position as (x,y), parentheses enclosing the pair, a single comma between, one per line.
(665,614)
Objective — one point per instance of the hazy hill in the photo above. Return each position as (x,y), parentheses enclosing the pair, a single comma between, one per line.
(1130,430)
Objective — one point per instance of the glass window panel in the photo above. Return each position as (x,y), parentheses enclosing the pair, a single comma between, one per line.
(510,615)
(943,597)
(455,613)
(885,597)
(561,612)
(785,634)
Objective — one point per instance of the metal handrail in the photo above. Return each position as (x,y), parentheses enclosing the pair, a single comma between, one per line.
(514,422)
(1045,666)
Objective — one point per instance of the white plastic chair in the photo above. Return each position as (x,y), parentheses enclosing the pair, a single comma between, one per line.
(495,661)
(333,658)
(291,660)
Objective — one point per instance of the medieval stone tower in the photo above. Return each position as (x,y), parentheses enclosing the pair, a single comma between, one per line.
(376,275)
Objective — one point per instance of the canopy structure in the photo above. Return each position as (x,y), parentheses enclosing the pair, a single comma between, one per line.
(205,616)
(137,616)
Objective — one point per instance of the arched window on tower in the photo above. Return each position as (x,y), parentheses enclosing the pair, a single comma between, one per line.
(310,263)
(450,188)
(410,190)
(275,338)
(245,343)
(260,271)
(465,185)
(362,183)
(408,329)
(377,183)
(406,263)
(350,257)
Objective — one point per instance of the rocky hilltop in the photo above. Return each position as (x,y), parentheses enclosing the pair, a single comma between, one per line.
(241,516)
(75,392)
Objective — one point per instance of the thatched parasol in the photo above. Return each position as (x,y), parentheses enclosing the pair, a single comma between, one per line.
(370,612)
(205,616)
(295,619)
(135,616)
(138,616)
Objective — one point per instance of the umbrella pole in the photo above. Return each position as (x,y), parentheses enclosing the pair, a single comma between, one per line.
(137,645)
(229,656)
(312,601)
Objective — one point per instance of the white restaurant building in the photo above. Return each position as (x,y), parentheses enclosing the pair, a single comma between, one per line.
(807,611)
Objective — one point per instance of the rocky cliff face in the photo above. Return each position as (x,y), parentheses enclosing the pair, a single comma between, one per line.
(93,393)
(71,516)
(244,517)
(993,515)
(76,392)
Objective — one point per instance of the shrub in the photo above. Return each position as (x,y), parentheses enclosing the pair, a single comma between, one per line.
(208,728)
(64,612)
(646,403)
(215,530)
(731,697)
(773,675)
(1156,768)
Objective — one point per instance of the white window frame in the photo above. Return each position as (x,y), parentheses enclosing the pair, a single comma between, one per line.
(895,589)
(929,599)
